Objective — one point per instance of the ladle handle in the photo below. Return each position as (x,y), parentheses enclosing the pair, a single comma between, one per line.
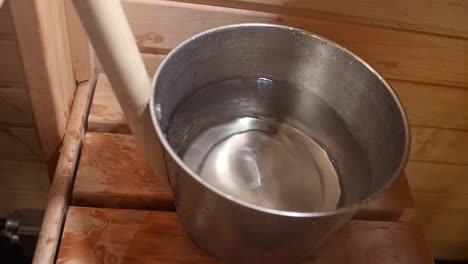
(115,46)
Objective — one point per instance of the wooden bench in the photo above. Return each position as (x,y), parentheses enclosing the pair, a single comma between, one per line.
(102,235)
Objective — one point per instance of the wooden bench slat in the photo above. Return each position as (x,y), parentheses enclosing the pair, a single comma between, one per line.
(113,174)
(93,235)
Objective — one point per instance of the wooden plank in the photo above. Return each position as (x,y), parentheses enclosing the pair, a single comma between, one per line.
(112,173)
(151,62)
(42,36)
(397,54)
(10,60)
(433,105)
(80,48)
(439,145)
(94,235)
(446,17)
(15,108)
(23,176)
(437,177)
(19,143)
(446,232)
(14,200)
(59,195)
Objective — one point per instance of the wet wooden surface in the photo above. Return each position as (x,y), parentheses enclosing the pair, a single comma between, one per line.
(94,235)
(113,174)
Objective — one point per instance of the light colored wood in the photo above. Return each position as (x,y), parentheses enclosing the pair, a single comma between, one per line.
(115,46)
(439,145)
(150,60)
(113,174)
(441,17)
(40,28)
(105,114)
(23,185)
(396,54)
(94,235)
(59,195)
(23,176)
(19,143)
(80,48)
(437,177)
(433,105)
(15,108)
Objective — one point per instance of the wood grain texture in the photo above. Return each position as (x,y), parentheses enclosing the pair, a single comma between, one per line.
(41,32)
(59,195)
(126,71)
(437,177)
(80,48)
(112,173)
(433,105)
(439,145)
(105,114)
(94,235)
(396,54)
(446,17)
(15,108)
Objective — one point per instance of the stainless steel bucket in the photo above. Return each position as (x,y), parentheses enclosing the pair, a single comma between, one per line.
(273,137)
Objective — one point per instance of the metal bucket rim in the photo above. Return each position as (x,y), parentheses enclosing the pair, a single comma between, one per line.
(342,210)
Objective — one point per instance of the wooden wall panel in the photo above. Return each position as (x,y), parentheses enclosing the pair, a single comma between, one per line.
(19,144)
(23,176)
(433,105)
(397,54)
(15,108)
(440,16)
(80,48)
(438,177)
(10,60)
(42,36)
(439,145)
(20,200)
